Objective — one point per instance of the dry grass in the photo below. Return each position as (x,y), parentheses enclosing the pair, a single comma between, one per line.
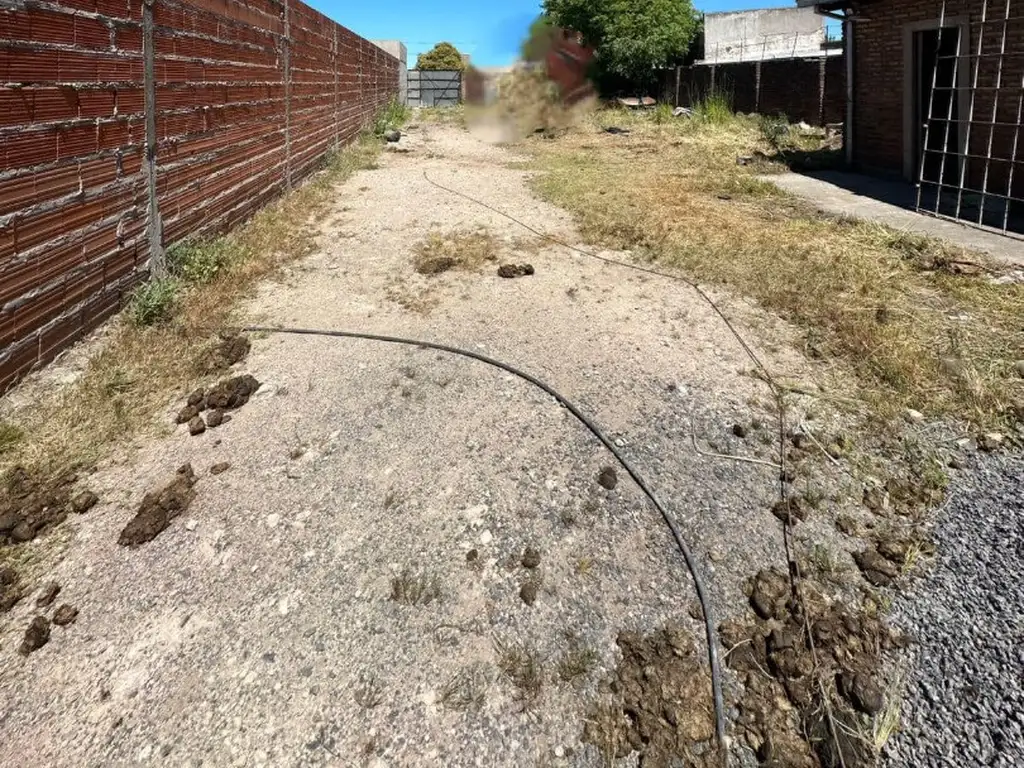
(141,367)
(521,665)
(892,307)
(412,588)
(578,661)
(467,689)
(462,249)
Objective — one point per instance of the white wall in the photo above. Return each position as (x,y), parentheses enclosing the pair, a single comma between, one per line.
(772,33)
(397,49)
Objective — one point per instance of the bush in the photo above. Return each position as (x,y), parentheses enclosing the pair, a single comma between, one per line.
(153,301)
(394,115)
(715,108)
(198,261)
(442,56)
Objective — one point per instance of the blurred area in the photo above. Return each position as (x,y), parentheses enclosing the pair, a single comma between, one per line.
(545,92)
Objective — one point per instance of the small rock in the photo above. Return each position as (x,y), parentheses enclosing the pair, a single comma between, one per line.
(876,569)
(531,558)
(65,615)
(486,537)
(215,417)
(876,499)
(48,595)
(715,555)
(915,417)
(528,593)
(472,556)
(23,532)
(607,478)
(197,398)
(36,636)
(273,520)
(11,590)
(196,426)
(392,135)
(186,414)
(739,430)
(956,461)
(990,441)
(84,501)
(219,467)
(191,524)
(790,510)
(861,691)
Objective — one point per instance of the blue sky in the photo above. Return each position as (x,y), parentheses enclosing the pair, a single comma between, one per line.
(489,31)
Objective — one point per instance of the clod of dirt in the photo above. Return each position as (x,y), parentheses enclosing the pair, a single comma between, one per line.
(662,706)
(197,399)
(158,508)
(215,418)
(83,502)
(196,426)
(11,590)
(893,550)
(219,467)
(232,393)
(226,352)
(435,265)
(848,525)
(186,414)
(48,595)
(876,569)
(472,556)
(515,270)
(861,691)
(791,510)
(739,430)
(29,506)
(531,558)
(392,135)
(607,478)
(769,594)
(528,593)
(65,615)
(875,499)
(36,636)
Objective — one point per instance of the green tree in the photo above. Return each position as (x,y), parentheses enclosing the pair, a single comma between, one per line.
(441,56)
(631,37)
(538,40)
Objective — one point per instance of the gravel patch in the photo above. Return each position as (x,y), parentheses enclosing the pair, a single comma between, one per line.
(965,692)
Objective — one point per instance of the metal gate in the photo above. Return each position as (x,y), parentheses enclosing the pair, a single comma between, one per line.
(434,88)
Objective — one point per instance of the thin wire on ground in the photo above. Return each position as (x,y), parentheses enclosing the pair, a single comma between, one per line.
(778,392)
(709,623)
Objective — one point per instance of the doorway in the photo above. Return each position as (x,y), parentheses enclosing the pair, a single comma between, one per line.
(936,106)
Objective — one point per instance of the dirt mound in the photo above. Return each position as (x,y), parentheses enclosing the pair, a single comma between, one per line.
(30,506)
(799,707)
(515,270)
(228,350)
(226,395)
(11,589)
(158,508)
(661,706)
(36,636)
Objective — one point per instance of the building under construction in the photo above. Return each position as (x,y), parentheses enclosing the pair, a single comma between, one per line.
(935,92)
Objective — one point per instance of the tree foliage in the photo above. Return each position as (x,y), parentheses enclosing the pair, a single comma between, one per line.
(631,37)
(441,56)
(538,40)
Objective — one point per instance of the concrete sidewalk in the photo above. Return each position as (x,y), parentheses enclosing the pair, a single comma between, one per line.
(892,203)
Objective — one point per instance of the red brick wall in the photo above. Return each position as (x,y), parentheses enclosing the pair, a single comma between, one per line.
(249,96)
(879,83)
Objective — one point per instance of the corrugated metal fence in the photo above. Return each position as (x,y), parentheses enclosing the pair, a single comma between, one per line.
(434,88)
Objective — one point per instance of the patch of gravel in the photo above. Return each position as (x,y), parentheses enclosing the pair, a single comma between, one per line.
(965,692)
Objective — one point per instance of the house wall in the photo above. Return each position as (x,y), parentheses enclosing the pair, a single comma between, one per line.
(757,35)
(108,154)
(883,129)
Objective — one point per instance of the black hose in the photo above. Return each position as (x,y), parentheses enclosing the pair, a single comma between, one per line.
(709,624)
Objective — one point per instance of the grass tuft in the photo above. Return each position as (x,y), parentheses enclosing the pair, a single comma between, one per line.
(520,664)
(462,249)
(410,588)
(153,302)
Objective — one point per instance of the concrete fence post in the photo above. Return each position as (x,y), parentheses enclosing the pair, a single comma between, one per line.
(286,45)
(154,226)
(821,89)
(678,75)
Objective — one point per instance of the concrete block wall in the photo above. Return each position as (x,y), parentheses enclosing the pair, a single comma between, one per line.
(757,35)
(125,126)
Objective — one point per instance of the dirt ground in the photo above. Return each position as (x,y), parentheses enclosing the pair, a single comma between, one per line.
(353,589)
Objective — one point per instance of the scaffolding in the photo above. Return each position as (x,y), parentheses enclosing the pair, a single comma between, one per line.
(970,166)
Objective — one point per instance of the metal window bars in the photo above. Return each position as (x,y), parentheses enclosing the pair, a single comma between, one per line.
(980,141)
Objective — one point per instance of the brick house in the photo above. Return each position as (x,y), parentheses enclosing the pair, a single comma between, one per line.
(935,94)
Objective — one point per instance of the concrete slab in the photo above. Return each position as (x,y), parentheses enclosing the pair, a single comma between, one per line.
(892,203)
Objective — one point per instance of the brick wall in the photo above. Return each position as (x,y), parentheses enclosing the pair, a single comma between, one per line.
(880,83)
(244,99)
(809,90)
